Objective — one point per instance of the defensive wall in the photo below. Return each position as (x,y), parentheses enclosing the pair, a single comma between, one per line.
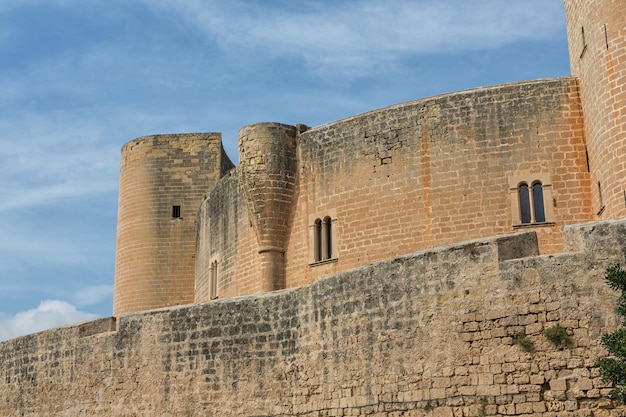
(425,334)
(395,180)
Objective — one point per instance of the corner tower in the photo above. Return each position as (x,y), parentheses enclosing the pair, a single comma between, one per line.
(267,174)
(596,31)
(163,179)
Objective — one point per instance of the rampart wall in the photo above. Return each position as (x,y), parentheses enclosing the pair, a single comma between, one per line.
(410,177)
(430,333)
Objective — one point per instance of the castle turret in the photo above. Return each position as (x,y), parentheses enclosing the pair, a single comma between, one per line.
(597,46)
(267,174)
(163,179)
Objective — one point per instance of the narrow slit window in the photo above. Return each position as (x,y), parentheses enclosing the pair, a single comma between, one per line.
(176,212)
(582,32)
(524,203)
(539,209)
(213,281)
(600,194)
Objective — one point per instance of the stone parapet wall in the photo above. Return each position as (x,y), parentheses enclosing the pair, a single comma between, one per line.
(430,333)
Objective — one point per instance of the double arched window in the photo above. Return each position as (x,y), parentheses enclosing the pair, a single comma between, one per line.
(323,239)
(531,205)
(323,235)
(531,199)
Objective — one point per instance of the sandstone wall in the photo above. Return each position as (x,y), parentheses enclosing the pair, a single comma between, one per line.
(430,333)
(597,43)
(440,170)
(154,265)
(226,236)
(414,176)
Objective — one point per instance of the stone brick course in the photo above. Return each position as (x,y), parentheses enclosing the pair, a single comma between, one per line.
(155,252)
(430,333)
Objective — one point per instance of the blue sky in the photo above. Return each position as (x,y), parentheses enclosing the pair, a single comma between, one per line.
(79,78)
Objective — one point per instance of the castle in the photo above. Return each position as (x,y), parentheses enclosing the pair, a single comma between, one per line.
(378,265)
(308,203)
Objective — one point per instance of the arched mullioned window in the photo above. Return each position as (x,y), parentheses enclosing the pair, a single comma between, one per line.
(323,245)
(531,204)
(323,236)
(531,199)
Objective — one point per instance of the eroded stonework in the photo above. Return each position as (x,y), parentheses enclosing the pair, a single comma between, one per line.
(401,262)
(429,333)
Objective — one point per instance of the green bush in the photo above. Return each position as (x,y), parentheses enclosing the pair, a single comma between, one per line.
(524,342)
(613,368)
(558,336)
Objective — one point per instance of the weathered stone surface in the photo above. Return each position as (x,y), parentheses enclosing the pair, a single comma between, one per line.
(388,339)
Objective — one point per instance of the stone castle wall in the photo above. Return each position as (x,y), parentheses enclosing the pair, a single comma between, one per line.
(425,334)
(406,178)
(597,44)
(155,251)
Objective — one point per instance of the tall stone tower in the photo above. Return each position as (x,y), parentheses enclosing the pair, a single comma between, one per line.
(163,179)
(597,45)
(267,174)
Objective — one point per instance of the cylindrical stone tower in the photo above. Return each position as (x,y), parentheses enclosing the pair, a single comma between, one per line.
(267,174)
(597,45)
(163,179)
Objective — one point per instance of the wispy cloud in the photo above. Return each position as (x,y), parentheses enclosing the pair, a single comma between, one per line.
(78,79)
(93,295)
(344,35)
(49,313)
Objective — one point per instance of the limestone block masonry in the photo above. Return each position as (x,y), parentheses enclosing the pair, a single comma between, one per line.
(267,172)
(163,179)
(365,267)
(426,334)
(597,41)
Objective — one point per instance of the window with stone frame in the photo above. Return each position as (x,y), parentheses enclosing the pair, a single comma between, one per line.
(531,199)
(323,238)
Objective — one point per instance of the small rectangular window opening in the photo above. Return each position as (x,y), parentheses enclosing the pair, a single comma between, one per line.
(176,212)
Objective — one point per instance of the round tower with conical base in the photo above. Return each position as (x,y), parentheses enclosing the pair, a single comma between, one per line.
(597,45)
(163,179)
(267,174)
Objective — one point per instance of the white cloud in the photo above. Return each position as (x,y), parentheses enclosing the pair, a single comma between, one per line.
(343,35)
(49,314)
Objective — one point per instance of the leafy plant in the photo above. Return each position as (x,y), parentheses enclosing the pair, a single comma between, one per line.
(613,369)
(482,408)
(558,336)
(524,342)
(430,406)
